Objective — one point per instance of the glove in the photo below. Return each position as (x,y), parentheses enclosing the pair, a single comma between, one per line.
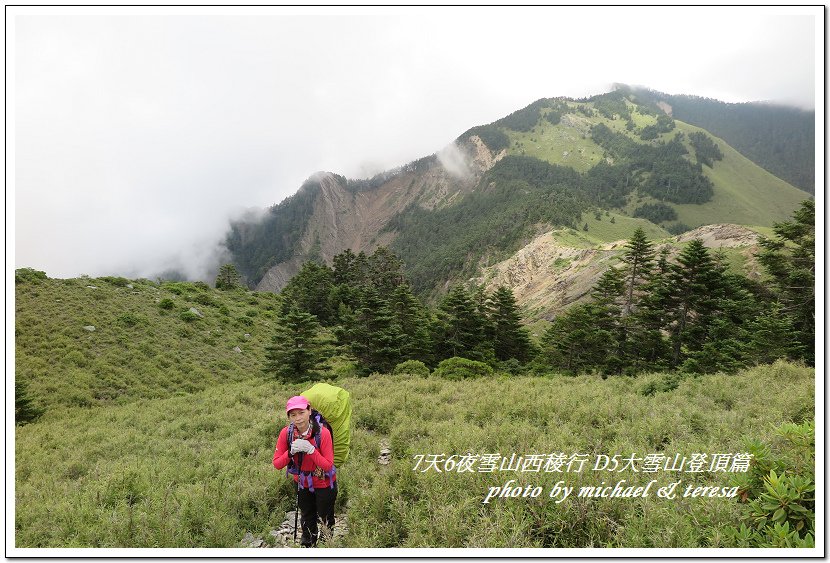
(302,446)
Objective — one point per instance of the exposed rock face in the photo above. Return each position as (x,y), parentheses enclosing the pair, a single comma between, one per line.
(345,220)
(721,236)
(546,277)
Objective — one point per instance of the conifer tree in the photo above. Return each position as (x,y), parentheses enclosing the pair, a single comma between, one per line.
(575,342)
(25,410)
(790,258)
(309,290)
(695,286)
(228,277)
(771,337)
(458,328)
(639,257)
(384,271)
(412,318)
(343,268)
(374,337)
(345,290)
(607,294)
(483,308)
(646,348)
(296,347)
(510,338)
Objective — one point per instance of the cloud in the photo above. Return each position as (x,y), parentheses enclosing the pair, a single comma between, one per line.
(454,161)
(136,136)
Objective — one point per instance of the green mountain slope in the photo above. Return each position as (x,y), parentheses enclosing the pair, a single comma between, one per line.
(744,193)
(779,139)
(552,164)
(145,343)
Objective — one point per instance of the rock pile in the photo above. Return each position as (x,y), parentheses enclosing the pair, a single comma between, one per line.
(385,453)
(284,535)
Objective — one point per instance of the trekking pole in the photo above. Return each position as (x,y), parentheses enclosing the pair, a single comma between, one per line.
(297,509)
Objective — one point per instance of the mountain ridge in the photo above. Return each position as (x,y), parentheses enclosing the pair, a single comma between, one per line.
(362,215)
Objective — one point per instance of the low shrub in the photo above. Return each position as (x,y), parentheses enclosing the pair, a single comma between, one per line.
(779,491)
(29,275)
(189,316)
(411,367)
(130,319)
(461,368)
(117,281)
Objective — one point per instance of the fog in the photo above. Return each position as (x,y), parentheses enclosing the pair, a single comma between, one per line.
(138,134)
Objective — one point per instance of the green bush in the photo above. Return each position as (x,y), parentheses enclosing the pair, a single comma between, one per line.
(166,303)
(29,275)
(175,288)
(130,319)
(117,281)
(668,382)
(513,367)
(411,367)
(461,368)
(779,491)
(189,316)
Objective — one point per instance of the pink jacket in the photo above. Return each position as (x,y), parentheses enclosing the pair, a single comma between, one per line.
(323,457)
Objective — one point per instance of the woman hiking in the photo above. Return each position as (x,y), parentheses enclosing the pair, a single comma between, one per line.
(306,448)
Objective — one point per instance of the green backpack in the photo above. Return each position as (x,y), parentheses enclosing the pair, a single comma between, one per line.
(335,405)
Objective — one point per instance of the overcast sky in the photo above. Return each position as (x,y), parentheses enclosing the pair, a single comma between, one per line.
(137,134)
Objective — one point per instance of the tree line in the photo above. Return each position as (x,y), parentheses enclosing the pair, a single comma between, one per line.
(650,313)
(660,170)
(691,314)
(370,311)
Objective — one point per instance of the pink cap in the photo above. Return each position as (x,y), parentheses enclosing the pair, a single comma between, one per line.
(298,402)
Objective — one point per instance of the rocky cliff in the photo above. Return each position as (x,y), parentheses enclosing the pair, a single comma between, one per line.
(345,219)
(546,277)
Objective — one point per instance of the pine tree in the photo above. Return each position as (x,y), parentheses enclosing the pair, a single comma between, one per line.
(412,318)
(790,258)
(639,257)
(607,293)
(309,290)
(771,337)
(695,286)
(576,340)
(510,338)
(345,268)
(646,347)
(25,410)
(458,328)
(483,310)
(296,347)
(609,288)
(228,277)
(374,337)
(385,271)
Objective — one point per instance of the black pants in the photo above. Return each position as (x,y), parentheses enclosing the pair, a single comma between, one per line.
(320,504)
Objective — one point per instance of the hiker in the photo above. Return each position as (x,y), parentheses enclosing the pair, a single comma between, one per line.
(310,458)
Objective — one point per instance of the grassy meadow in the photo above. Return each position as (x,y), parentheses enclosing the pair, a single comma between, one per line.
(157,433)
(745,193)
(601,231)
